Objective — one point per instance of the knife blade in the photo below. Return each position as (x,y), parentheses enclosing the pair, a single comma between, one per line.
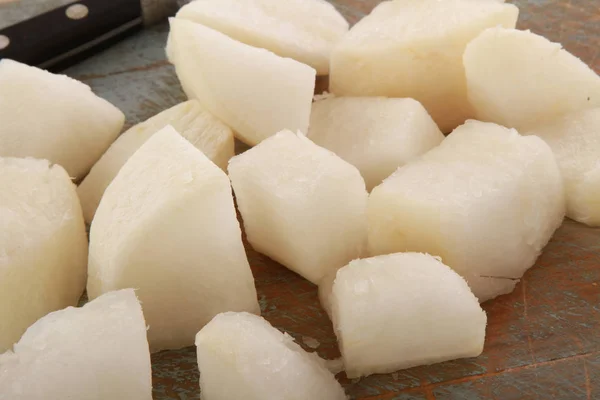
(73,31)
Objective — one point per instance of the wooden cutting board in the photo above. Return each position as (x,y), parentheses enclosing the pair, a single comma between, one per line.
(543,340)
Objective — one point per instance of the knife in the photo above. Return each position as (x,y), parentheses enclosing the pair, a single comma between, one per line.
(66,32)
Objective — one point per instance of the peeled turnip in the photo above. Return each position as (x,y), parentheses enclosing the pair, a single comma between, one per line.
(575,140)
(414,48)
(43,244)
(305,30)
(97,352)
(241,356)
(167,226)
(200,128)
(487,200)
(375,134)
(520,80)
(54,117)
(302,205)
(402,310)
(254,91)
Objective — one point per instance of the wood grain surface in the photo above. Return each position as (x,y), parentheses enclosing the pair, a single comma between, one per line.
(543,340)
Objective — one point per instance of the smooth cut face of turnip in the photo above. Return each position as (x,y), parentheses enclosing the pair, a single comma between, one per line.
(575,140)
(487,200)
(53,117)
(167,226)
(414,48)
(96,352)
(241,356)
(325,292)
(252,90)
(200,128)
(521,80)
(375,134)
(401,310)
(302,205)
(305,30)
(43,244)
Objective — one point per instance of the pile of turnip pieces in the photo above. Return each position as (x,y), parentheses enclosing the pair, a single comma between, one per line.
(358,190)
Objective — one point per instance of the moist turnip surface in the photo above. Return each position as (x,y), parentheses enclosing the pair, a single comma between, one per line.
(305,30)
(43,244)
(97,352)
(167,227)
(199,127)
(254,91)
(54,117)
(450,222)
(241,356)
(487,200)
(301,204)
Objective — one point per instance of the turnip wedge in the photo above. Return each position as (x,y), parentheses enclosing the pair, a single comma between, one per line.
(252,90)
(43,244)
(402,310)
(167,226)
(241,356)
(97,352)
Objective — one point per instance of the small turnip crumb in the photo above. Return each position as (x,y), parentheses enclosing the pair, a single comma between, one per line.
(311,342)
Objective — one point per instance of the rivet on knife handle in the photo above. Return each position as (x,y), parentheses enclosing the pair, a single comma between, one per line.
(66,35)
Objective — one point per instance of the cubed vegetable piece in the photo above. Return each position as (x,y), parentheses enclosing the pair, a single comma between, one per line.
(521,80)
(252,90)
(302,205)
(54,117)
(401,310)
(325,292)
(575,140)
(305,30)
(241,356)
(200,128)
(97,352)
(375,134)
(43,244)
(487,200)
(414,48)
(167,226)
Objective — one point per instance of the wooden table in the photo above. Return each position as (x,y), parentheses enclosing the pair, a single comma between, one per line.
(543,340)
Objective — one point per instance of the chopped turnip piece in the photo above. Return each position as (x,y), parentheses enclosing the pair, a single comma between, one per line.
(43,244)
(414,48)
(375,134)
(254,91)
(54,117)
(325,291)
(520,80)
(487,200)
(200,128)
(402,310)
(97,352)
(302,205)
(167,226)
(575,140)
(305,30)
(241,356)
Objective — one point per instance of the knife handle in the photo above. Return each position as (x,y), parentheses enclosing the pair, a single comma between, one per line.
(54,40)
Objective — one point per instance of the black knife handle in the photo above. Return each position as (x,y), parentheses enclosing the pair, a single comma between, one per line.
(54,41)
